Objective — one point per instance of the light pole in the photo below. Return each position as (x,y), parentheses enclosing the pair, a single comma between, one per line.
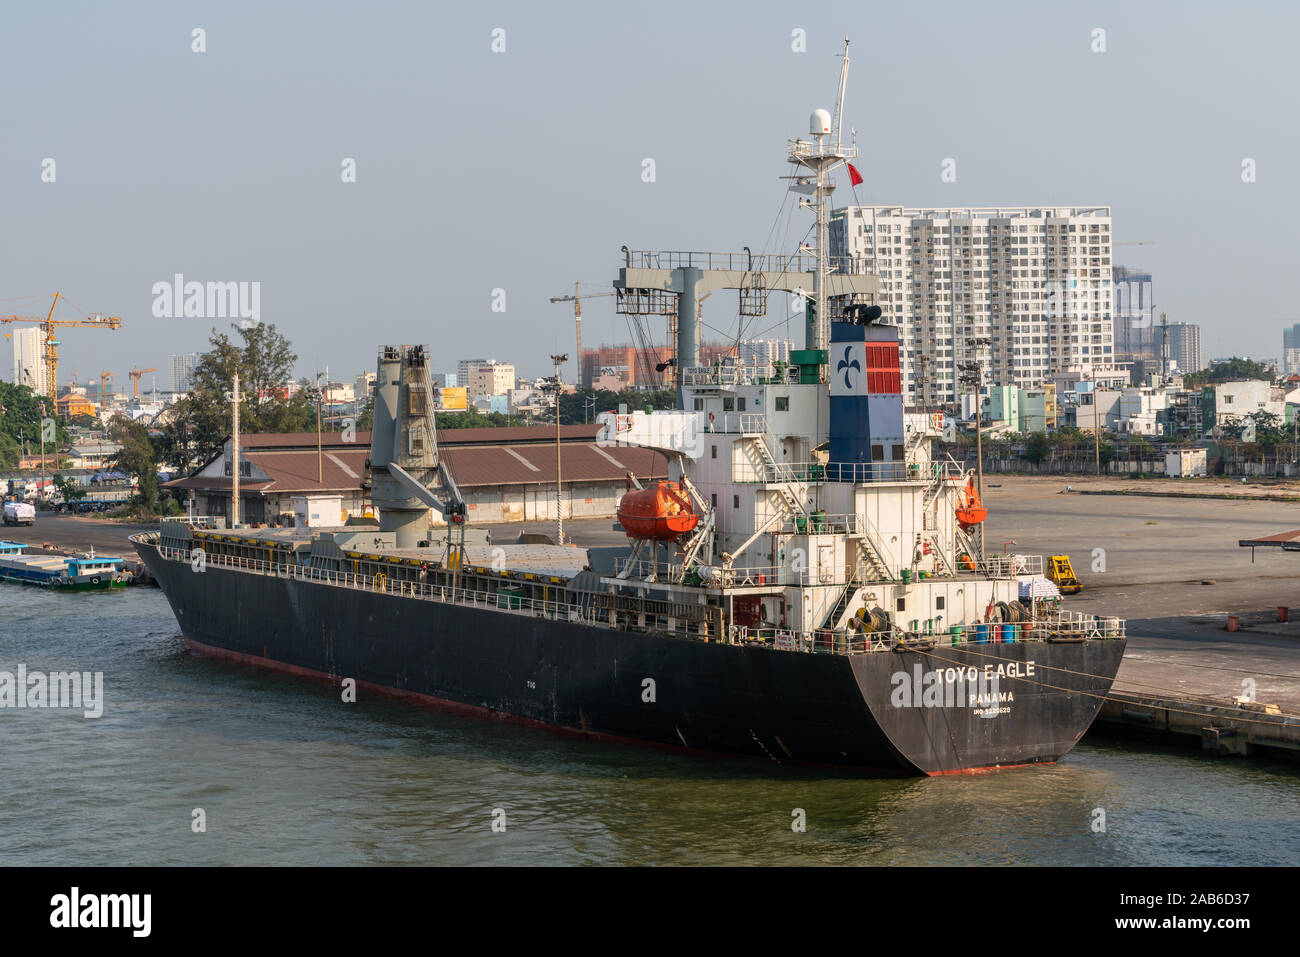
(559,359)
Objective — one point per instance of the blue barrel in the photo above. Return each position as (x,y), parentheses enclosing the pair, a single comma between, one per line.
(1009,633)
(981,634)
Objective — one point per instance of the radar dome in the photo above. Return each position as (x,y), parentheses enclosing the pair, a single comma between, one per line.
(820,124)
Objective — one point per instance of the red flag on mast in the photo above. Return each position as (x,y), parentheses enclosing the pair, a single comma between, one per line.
(855,178)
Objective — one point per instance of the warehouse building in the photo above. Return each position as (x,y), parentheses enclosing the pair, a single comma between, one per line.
(504,475)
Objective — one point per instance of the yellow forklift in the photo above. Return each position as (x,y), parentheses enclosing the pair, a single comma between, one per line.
(1061,573)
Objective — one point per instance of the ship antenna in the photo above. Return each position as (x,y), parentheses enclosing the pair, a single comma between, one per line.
(839,99)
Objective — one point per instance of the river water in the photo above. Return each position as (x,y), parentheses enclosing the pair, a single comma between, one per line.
(286,773)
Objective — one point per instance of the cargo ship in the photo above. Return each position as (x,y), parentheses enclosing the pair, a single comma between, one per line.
(809,586)
(87,572)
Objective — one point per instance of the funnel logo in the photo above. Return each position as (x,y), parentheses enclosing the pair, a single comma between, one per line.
(846,364)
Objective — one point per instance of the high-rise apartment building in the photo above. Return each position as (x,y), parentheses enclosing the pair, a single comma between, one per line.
(182,367)
(1025,290)
(761,353)
(1185,346)
(29,358)
(1291,349)
(1136,335)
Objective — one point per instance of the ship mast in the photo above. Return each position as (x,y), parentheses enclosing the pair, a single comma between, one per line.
(822,158)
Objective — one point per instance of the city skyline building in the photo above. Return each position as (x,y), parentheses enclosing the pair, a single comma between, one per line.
(28,358)
(182,367)
(1024,290)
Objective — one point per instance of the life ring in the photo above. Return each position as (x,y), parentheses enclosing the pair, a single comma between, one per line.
(95,580)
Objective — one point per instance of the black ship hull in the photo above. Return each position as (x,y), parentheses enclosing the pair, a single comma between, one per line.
(881,710)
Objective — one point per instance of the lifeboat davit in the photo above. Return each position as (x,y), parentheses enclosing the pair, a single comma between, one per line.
(659,512)
(970,510)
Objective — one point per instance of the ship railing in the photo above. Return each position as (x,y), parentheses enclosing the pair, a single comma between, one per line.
(729,374)
(1012,566)
(1061,625)
(743,423)
(858,473)
(766,263)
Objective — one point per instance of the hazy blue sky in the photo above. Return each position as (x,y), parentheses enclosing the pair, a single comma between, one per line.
(522,170)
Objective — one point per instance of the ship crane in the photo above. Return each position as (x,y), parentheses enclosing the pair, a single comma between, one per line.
(49,325)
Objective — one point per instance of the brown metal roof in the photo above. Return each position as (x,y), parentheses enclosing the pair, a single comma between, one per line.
(487,436)
(202,483)
(472,465)
(518,435)
(341,469)
(524,464)
(1289,540)
(295,440)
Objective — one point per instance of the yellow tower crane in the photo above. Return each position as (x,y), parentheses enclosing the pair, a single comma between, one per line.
(576,299)
(135,379)
(50,354)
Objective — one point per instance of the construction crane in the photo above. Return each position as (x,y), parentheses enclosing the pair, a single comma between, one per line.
(104,379)
(135,379)
(1136,242)
(576,299)
(48,325)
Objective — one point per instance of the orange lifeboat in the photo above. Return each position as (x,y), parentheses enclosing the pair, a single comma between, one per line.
(970,510)
(659,512)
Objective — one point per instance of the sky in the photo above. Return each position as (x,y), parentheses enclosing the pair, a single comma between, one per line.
(482,170)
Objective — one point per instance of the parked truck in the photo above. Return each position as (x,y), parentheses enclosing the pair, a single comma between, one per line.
(19,513)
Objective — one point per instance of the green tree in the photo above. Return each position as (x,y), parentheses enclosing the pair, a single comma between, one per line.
(68,489)
(20,423)
(1229,370)
(473,419)
(577,407)
(264,361)
(137,458)
(1037,447)
(366,418)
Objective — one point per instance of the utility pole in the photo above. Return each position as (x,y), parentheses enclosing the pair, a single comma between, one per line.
(234,456)
(320,455)
(559,359)
(40,488)
(1096,430)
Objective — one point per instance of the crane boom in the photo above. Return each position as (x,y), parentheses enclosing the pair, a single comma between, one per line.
(50,352)
(576,299)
